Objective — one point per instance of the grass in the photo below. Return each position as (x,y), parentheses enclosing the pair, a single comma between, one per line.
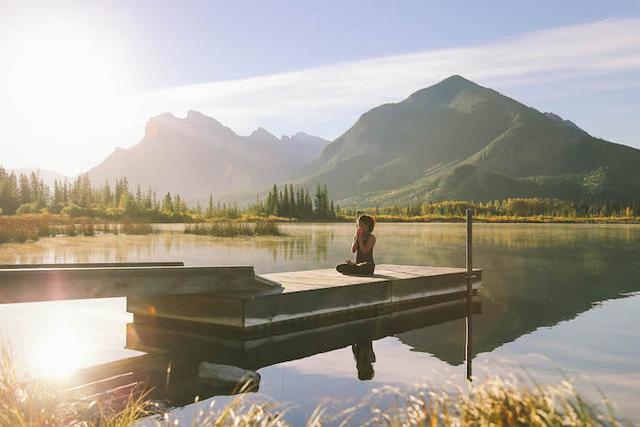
(137,228)
(234,229)
(491,402)
(494,402)
(41,403)
(31,227)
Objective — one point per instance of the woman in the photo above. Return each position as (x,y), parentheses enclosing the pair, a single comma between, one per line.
(363,243)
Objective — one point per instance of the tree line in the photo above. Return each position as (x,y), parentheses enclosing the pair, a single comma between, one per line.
(284,202)
(23,194)
(516,207)
(27,193)
(293,202)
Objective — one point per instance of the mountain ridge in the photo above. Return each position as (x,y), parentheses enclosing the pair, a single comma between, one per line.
(457,139)
(199,155)
(453,140)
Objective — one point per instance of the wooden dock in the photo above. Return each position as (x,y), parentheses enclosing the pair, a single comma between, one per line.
(235,297)
(227,319)
(293,298)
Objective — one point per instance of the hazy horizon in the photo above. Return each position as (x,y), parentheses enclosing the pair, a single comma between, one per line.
(82,80)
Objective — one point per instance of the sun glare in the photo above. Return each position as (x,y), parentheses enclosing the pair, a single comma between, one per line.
(60,353)
(61,75)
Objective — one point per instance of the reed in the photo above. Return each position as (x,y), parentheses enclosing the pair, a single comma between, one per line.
(137,228)
(25,228)
(234,229)
(492,402)
(42,403)
(31,227)
(267,229)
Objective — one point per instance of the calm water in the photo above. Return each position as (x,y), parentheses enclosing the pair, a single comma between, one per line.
(555,298)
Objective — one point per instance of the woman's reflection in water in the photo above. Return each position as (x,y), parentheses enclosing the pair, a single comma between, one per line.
(364,357)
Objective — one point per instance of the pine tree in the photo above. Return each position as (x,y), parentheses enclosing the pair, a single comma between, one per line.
(285,202)
(24,191)
(274,209)
(210,206)
(292,203)
(167,204)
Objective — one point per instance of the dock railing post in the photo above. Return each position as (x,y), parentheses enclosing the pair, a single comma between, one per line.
(469,277)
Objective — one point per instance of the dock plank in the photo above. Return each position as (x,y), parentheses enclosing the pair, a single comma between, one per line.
(93,265)
(295,281)
(51,284)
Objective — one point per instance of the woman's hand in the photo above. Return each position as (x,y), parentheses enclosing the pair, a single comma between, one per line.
(349,261)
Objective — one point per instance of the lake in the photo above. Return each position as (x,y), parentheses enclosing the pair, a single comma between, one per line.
(555,300)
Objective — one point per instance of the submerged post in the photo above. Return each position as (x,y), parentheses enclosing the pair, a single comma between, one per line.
(469,276)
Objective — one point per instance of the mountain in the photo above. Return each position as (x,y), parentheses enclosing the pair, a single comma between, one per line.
(198,155)
(459,140)
(49,177)
(559,119)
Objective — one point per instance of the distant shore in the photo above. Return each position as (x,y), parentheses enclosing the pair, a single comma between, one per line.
(510,219)
(31,227)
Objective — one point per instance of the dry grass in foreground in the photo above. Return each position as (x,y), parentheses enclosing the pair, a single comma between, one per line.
(493,402)
(40,403)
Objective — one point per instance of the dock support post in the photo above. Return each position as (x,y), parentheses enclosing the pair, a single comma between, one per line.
(469,276)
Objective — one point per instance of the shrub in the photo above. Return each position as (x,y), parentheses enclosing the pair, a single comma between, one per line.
(27,208)
(74,210)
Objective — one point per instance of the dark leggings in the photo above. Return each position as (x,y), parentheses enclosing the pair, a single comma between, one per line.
(360,269)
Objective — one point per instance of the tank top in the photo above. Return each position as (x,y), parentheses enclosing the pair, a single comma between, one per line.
(362,257)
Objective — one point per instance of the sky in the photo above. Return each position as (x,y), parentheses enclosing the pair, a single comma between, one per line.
(79,78)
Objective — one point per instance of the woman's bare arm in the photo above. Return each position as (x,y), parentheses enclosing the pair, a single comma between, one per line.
(354,246)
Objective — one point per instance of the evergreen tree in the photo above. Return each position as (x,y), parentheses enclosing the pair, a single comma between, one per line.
(167,204)
(285,202)
(24,192)
(210,207)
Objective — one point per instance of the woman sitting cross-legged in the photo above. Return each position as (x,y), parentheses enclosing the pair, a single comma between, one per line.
(363,243)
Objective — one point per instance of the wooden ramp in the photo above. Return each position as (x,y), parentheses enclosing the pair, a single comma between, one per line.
(50,282)
(316,296)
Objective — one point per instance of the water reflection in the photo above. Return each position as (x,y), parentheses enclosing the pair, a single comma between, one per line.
(53,339)
(60,352)
(543,286)
(312,247)
(188,346)
(365,358)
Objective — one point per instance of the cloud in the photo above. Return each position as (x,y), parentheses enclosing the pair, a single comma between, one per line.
(336,94)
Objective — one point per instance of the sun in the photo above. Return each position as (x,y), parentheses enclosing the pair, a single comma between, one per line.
(59,353)
(60,75)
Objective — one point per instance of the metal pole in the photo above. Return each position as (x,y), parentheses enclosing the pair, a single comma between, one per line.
(469,275)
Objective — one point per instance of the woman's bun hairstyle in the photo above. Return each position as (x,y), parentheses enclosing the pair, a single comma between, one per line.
(369,220)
